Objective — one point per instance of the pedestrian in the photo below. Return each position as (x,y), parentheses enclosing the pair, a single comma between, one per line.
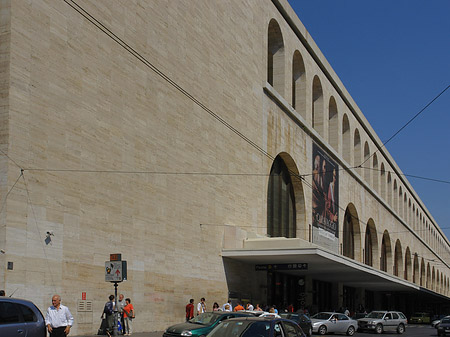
(258,307)
(108,314)
(120,304)
(238,307)
(201,306)
(249,307)
(227,307)
(190,310)
(216,307)
(58,320)
(2,293)
(128,314)
(229,304)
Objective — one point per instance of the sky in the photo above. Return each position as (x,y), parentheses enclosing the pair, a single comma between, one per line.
(393,57)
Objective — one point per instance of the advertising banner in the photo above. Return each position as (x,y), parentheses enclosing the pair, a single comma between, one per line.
(325,197)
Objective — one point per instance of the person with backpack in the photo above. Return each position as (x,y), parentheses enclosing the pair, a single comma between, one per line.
(108,315)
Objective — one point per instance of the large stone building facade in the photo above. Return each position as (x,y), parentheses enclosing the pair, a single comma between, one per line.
(213,146)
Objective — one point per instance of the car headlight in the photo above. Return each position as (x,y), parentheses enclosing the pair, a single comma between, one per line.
(372,322)
(186,333)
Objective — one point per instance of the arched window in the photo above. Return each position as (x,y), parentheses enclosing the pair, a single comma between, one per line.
(367,164)
(357,159)
(395,206)
(422,273)
(299,84)
(383,181)
(333,124)
(351,236)
(389,189)
(275,57)
(370,243)
(398,258)
(317,107)
(346,139)
(408,267)
(400,202)
(375,173)
(386,252)
(416,271)
(281,214)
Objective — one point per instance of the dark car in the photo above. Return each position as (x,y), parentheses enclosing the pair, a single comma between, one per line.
(444,327)
(300,319)
(201,324)
(20,318)
(257,327)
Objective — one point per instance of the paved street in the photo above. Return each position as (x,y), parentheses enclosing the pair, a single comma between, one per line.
(411,331)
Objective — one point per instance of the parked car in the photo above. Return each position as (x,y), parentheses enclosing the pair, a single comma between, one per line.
(257,327)
(301,319)
(444,327)
(20,318)
(325,322)
(436,319)
(201,324)
(380,321)
(420,318)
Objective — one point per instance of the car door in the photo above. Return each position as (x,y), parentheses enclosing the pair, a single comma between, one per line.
(395,320)
(388,323)
(342,323)
(11,323)
(291,330)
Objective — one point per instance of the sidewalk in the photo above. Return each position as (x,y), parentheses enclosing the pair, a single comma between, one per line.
(137,334)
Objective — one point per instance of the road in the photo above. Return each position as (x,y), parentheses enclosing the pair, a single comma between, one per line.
(411,331)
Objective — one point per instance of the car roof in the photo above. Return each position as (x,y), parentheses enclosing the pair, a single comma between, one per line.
(258,319)
(15,300)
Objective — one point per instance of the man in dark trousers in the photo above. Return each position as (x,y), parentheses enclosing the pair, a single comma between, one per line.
(59,320)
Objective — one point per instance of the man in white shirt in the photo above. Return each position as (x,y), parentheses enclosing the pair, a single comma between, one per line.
(59,320)
(201,306)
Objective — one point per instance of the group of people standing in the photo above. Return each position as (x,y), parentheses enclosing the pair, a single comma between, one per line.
(201,307)
(126,314)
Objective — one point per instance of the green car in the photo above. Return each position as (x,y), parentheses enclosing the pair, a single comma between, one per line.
(202,324)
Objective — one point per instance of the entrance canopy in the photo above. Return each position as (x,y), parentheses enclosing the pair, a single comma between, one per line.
(322,264)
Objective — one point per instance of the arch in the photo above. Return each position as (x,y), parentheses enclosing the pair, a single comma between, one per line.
(422,273)
(416,272)
(389,189)
(408,265)
(299,84)
(366,157)
(413,217)
(275,57)
(317,106)
(370,244)
(400,202)
(433,279)
(375,174)
(333,124)
(346,139)
(428,277)
(405,208)
(357,159)
(398,260)
(386,252)
(383,181)
(351,245)
(395,192)
(285,199)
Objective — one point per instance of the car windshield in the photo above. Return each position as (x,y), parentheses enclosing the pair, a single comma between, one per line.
(241,329)
(445,320)
(321,315)
(375,314)
(207,318)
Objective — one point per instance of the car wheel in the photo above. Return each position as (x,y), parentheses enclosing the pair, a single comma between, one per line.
(350,331)
(400,329)
(379,329)
(309,332)
(322,330)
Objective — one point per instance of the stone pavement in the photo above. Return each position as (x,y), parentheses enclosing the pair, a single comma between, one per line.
(137,334)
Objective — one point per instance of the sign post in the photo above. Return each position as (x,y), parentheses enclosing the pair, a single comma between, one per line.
(115,271)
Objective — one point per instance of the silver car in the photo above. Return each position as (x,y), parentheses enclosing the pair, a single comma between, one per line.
(380,321)
(20,318)
(325,322)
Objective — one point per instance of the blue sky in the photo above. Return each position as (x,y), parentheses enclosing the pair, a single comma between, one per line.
(393,56)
